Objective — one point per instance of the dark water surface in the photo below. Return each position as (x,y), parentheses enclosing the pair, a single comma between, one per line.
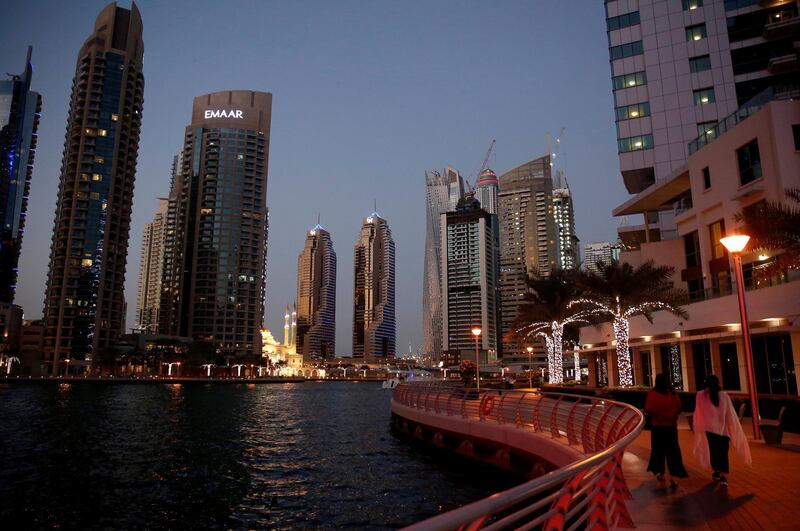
(309,455)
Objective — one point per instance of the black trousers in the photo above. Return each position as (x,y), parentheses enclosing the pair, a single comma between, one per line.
(665,448)
(718,446)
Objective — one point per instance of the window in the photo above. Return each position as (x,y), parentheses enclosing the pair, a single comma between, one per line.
(629,80)
(623,21)
(696,32)
(699,63)
(704,96)
(749,160)
(796,135)
(86,262)
(626,50)
(729,361)
(690,5)
(707,130)
(94,195)
(635,143)
(115,117)
(730,5)
(637,110)
(97,177)
(706,178)
(774,364)
(717,231)
(701,355)
(691,249)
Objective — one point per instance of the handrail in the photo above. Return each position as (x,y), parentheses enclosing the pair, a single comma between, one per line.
(587,492)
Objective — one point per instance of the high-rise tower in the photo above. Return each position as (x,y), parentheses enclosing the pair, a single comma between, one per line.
(680,68)
(151,265)
(442,193)
(373,291)
(84,303)
(469,278)
(215,272)
(19,122)
(564,216)
(486,191)
(315,336)
(528,238)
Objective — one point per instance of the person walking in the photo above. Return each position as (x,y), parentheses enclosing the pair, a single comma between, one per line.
(716,426)
(663,407)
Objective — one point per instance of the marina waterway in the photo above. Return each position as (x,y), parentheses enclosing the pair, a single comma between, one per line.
(282,456)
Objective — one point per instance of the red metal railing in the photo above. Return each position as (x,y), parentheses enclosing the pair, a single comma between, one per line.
(588,493)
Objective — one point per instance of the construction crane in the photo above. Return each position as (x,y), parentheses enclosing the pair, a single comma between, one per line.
(470,186)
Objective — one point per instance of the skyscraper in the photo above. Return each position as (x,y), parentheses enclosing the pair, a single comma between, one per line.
(19,123)
(215,272)
(469,278)
(599,252)
(373,291)
(442,193)
(564,216)
(151,265)
(486,191)
(677,69)
(84,302)
(315,336)
(528,238)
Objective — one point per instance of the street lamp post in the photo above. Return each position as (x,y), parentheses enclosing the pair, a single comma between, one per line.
(530,368)
(477,332)
(735,244)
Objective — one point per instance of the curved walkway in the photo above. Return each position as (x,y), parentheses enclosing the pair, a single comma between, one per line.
(764,496)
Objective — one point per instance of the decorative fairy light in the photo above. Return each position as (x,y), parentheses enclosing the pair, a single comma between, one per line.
(553,332)
(621,325)
(577,361)
(675,365)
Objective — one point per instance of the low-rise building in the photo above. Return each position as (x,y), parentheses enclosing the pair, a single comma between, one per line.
(752,156)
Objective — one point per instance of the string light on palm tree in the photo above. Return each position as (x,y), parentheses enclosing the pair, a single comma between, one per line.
(675,365)
(552,333)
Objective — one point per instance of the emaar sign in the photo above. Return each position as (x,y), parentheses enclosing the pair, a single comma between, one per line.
(217,113)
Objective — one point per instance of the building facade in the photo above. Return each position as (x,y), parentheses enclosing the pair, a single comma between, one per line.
(315,336)
(678,68)
(470,269)
(754,159)
(374,328)
(528,241)
(213,288)
(84,299)
(151,268)
(20,108)
(442,193)
(599,252)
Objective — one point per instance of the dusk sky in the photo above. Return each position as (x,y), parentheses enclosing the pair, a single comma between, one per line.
(366,97)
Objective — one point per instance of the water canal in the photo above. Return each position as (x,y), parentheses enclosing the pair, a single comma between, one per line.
(284,456)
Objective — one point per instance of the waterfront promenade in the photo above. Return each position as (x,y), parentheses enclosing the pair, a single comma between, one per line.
(763,496)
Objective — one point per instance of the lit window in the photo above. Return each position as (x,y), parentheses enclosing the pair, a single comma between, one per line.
(115,117)
(86,262)
(102,132)
(637,110)
(97,177)
(84,176)
(695,33)
(635,143)
(629,80)
(704,96)
(89,131)
(99,160)
(691,5)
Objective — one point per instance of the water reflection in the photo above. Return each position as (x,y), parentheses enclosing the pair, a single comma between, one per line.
(203,456)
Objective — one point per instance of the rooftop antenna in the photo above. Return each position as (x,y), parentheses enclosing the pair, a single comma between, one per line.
(318,218)
(375,205)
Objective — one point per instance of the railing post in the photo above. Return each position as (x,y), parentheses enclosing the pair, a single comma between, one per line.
(517,415)
(500,418)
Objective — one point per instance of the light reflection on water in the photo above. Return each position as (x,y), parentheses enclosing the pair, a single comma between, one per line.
(311,455)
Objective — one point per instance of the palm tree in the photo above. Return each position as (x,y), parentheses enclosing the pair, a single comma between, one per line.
(545,312)
(621,291)
(775,225)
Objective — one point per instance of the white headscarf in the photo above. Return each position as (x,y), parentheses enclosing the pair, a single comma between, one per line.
(721,420)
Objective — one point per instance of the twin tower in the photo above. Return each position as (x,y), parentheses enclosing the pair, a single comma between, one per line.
(373,294)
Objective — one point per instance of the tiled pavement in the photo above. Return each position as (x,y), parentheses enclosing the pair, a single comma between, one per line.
(764,496)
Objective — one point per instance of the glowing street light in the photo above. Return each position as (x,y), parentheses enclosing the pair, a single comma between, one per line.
(735,244)
(477,332)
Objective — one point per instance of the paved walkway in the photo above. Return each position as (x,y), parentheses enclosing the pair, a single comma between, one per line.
(764,496)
